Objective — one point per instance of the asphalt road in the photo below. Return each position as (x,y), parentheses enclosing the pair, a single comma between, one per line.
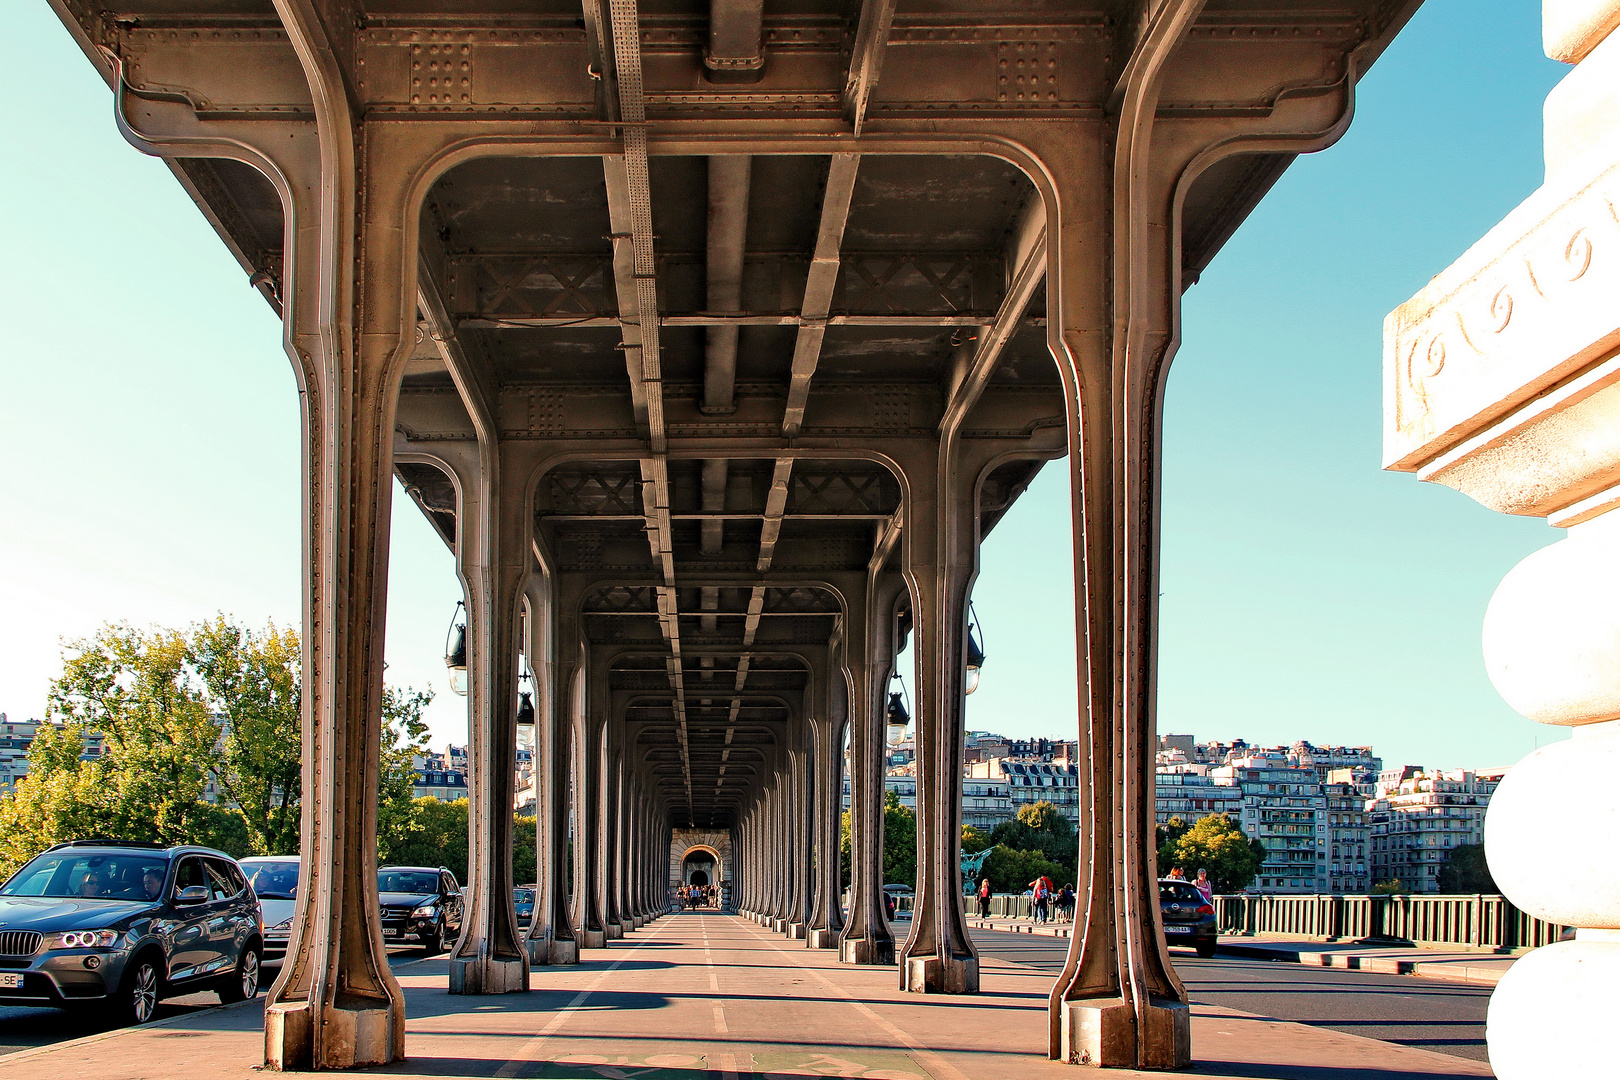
(23,1029)
(1438,1016)
(1447,1018)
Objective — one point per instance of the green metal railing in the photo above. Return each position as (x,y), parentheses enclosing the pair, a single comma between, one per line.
(1483,921)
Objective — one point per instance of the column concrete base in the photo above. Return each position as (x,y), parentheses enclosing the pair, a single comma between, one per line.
(542,951)
(488,975)
(822,939)
(936,975)
(350,1038)
(613,930)
(866,951)
(1103,1033)
(796,930)
(627,926)
(779,926)
(592,939)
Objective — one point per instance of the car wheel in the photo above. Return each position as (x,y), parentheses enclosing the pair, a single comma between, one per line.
(243,983)
(1206,949)
(137,998)
(433,940)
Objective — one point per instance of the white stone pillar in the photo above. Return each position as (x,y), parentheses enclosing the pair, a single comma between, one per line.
(1503,381)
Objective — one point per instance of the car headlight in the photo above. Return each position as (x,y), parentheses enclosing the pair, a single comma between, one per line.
(426,911)
(83,939)
(284,924)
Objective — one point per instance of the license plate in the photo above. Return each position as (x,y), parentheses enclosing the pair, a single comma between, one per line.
(10,980)
(1178,929)
(389,931)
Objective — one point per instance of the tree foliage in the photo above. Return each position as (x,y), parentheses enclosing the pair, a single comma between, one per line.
(1042,828)
(1012,871)
(899,842)
(974,840)
(176,712)
(439,838)
(1465,871)
(1215,844)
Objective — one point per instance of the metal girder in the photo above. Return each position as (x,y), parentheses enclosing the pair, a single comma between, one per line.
(866,58)
(1027,271)
(710,319)
(819,285)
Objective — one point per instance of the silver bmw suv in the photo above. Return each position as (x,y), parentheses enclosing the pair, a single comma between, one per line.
(121,925)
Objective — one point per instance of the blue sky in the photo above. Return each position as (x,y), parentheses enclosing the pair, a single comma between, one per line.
(150,423)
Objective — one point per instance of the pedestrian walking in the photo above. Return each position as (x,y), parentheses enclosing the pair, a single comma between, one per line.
(1205,886)
(1040,897)
(984,899)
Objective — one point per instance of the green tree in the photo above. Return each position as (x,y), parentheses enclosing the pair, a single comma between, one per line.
(845,856)
(1392,887)
(974,840)
(1465,871)
(523,852)
(175,712)
(439,838)
(1041,827)
(1165,837)
(1011,871)
(253,682)
(404,735)
(899,842)
(159,751)
(1217,845)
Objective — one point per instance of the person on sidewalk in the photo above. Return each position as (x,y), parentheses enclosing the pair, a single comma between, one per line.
(1205,886)
(1065,903)
(984,899)
(1177,874)
(1040,897)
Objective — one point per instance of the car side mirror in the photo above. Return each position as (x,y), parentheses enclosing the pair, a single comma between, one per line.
(192,894)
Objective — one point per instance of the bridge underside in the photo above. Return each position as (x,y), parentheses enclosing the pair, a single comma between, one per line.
(713,338)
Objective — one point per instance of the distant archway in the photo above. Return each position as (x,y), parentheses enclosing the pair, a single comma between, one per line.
(700,865)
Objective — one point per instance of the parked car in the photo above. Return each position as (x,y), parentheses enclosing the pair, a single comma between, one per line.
(275,881)
(1188,918)
(523,900)
(420,904)
(122,925)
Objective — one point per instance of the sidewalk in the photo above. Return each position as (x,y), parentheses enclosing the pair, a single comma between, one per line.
(712,997)
(1474,968)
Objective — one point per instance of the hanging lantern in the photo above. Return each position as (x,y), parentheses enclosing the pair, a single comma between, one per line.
(975,654)
(455,657)
(525,713)
(897,717)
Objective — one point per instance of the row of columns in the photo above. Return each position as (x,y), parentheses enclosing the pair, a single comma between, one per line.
(352,193)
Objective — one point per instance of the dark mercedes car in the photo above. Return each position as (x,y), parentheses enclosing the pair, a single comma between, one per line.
(1188,918)
(122,925)
(420,905)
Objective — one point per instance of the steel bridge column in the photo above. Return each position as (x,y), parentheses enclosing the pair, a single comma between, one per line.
(1112,328)
(940,554)
(554,654)
(336,1004)
(803,829)
(625,859)
(867,938)
(827,914)
(604,838)
(490,556)
(590,725)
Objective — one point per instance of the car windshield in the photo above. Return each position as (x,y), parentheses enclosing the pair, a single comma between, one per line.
(91,875)
(408,881)
(523,896)
(273,881)
(1179,892)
